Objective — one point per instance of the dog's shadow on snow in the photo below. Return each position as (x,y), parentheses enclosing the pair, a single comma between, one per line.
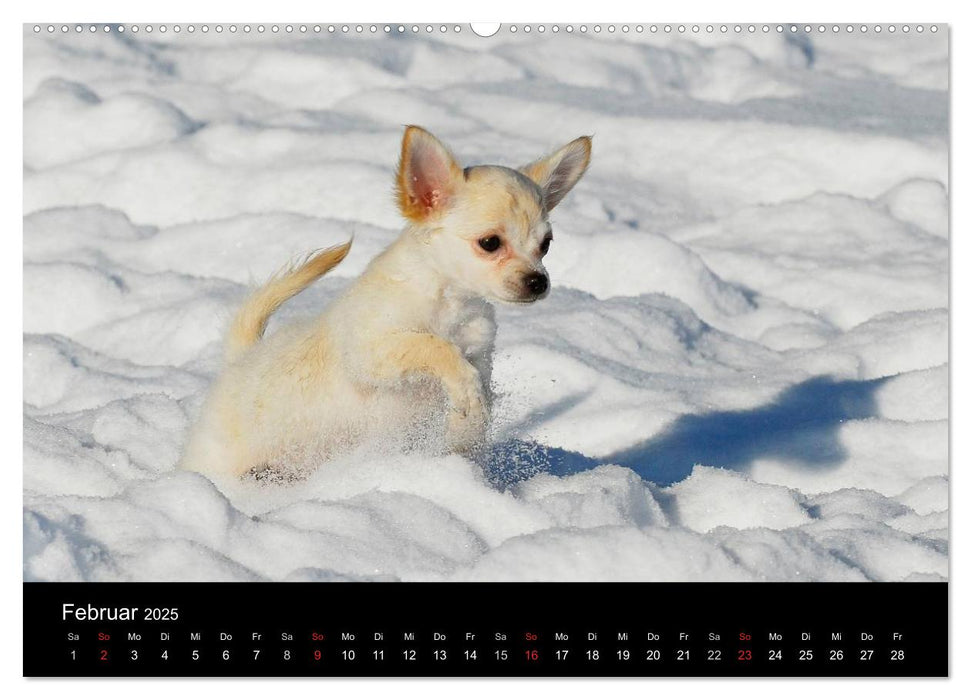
(800,426)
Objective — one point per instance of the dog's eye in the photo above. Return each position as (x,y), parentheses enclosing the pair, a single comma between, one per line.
(490,243)
(544,247)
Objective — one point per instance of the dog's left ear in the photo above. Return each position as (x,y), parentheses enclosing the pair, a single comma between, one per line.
(427,175)
(558,173)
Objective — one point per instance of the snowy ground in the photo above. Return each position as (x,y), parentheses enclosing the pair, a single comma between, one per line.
(742,372)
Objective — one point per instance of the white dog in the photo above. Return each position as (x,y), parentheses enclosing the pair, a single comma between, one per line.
(409,343)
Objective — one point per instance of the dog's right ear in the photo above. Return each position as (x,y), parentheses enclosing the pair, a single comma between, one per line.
(427,175)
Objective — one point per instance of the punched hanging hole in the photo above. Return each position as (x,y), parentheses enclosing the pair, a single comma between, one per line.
(485,29)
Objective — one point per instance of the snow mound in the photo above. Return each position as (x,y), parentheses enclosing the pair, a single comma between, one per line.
(711,498)
(66,121)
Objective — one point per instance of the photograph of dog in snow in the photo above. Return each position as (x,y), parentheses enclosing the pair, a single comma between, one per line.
(421,311)
(274,333)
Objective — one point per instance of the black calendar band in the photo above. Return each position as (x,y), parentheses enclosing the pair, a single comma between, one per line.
(486,629)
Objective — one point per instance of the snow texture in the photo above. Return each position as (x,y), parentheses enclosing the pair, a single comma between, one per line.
(741,373)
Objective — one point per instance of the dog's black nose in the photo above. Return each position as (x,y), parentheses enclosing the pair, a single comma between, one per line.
(536,282)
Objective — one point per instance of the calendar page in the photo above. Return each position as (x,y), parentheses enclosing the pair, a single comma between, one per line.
(595,325)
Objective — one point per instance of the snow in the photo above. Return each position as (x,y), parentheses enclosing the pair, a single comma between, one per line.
(741,372)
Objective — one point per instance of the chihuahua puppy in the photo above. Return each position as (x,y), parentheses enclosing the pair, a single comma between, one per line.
(409,343)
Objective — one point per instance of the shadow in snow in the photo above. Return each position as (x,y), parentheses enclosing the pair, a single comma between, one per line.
(800,426)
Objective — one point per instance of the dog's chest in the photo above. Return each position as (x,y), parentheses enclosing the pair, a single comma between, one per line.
(470,324)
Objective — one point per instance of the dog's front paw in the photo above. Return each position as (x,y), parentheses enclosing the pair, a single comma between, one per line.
(468,419)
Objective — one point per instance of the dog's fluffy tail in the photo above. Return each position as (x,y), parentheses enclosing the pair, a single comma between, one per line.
(251,319)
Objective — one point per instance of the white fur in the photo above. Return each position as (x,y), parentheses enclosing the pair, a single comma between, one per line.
(405,352)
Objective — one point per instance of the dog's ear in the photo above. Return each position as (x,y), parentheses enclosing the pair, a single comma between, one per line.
(556,174)
(427,175)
